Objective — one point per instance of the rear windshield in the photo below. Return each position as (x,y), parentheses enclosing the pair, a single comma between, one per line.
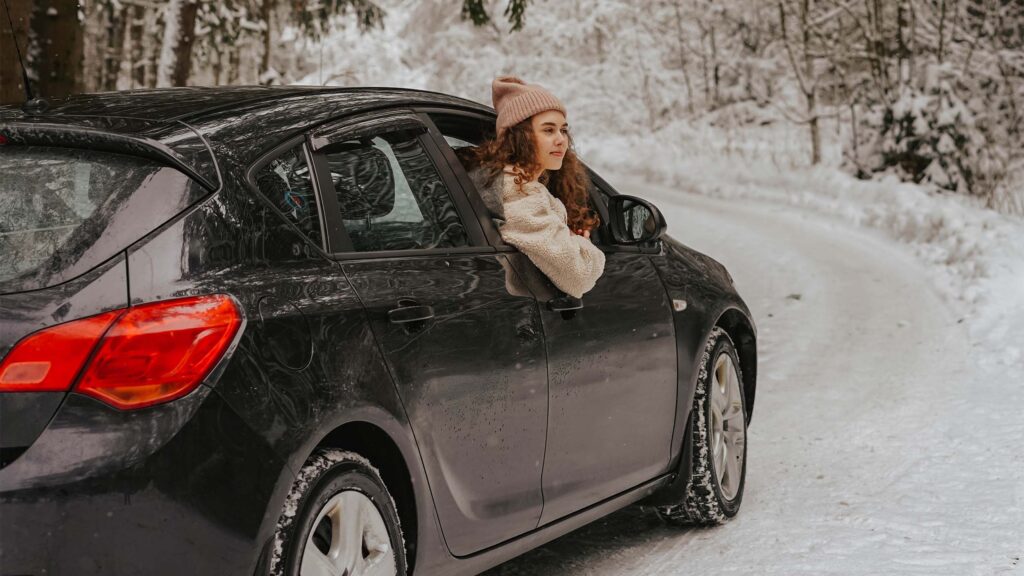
(64,211)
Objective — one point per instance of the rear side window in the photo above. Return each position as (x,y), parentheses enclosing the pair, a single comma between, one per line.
(64,211)
(286,183)
(390,195)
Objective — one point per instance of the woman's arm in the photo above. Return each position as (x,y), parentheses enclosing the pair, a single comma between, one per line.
(538,230)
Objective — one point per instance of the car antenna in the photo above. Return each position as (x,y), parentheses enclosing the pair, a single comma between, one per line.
(32,104)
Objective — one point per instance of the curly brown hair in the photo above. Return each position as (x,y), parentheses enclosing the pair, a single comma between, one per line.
(516,147)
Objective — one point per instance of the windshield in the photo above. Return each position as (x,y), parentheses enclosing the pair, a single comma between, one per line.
(64,211)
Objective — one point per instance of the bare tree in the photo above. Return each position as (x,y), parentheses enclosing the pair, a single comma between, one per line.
(801,55)
(682,53)
(176,49)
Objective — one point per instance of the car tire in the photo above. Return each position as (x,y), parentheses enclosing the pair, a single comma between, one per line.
(718,440)
(338,517)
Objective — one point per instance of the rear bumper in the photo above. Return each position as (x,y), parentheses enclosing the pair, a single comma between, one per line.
(181,488)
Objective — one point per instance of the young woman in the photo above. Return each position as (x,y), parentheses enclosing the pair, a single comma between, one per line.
(535,187)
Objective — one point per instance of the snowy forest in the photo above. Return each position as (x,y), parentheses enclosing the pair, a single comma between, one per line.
(926,91)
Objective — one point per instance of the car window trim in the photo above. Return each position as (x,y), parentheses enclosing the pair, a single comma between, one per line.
(266,158)
(601,186)
(414,252)
(338,239)
(376,123)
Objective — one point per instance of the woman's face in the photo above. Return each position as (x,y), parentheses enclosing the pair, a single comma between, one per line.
(551,133)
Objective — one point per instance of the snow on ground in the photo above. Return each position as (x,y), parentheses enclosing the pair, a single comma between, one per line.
(886,434)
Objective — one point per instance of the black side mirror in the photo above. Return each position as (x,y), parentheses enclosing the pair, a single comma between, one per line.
(634,220)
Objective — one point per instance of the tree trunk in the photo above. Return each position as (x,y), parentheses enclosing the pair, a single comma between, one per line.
(811,87)
(117,46)
(94,45)
(176,48)
(683,60)
(183,67)
(234,65)
(812,124)
(169,45)
(716,69)
(102,42)
(56,48)
(149,48)
(217,65)
(267,12)
(942,31)
(131,72)
(12,84)
(705,69)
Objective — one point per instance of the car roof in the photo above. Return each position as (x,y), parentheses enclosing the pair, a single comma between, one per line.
(238,121)
(200,105)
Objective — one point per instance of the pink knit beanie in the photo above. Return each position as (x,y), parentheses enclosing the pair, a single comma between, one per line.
(516,101)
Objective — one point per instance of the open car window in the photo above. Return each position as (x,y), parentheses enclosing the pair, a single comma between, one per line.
(462,132)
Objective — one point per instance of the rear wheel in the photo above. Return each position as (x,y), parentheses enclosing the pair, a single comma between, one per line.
(339,520)
(719,440)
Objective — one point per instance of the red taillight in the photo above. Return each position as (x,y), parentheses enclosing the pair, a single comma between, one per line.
(152,353)
(49,360)
(161,351)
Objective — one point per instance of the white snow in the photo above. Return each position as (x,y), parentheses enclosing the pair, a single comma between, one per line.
(887,432)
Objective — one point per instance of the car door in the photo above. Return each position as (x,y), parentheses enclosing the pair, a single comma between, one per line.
(465,351)
(611,364)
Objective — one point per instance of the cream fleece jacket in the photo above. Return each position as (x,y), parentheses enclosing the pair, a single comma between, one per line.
(534,221)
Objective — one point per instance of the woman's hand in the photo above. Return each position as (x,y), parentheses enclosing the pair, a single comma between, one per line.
(584,233)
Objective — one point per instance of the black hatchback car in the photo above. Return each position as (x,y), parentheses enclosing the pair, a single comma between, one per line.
(275,330)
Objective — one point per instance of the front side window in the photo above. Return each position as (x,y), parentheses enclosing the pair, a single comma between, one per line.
(391,196)
(286,183)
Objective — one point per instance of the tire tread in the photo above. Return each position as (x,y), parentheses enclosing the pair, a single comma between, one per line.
(701,505)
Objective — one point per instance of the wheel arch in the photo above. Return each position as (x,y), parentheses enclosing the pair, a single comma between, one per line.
(376,445)
(741,331)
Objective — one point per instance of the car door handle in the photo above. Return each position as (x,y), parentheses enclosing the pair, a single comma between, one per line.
(406,314)
(564,303)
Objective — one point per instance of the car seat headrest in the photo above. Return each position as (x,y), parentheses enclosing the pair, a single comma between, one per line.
(363,180)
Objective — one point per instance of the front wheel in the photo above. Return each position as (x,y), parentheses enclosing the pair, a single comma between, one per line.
(338,520)
(718,440)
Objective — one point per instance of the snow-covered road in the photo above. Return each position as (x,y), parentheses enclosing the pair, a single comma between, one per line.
(880,444)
